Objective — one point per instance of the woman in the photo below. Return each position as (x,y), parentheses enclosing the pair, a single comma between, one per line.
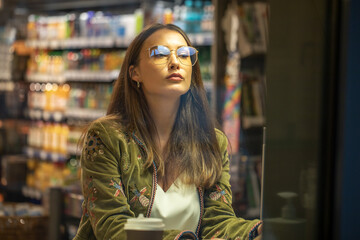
(157,151)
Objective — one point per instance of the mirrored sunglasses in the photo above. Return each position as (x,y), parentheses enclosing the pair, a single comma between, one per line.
(161,54)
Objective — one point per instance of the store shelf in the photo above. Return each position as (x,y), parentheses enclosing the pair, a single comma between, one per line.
(31,192)
(197,39)
(42,5)
(85,113)
(45,78)
(201,39)
(253,121)
(7,86)
(71,113)
(91,76)
(37,114)
(122,42)
(45,155)
(71,43)
(5,75)
(72,149)
(75,75)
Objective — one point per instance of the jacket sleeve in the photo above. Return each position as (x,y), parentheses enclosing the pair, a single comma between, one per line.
(105,204)
(219,219)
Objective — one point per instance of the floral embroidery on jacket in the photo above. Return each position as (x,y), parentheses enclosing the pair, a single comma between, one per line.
(90,200)
(125,161)
(93,145)
(118,187)
(140,195)
(219,193)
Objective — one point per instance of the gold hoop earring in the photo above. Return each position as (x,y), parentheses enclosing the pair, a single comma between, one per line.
(138,84)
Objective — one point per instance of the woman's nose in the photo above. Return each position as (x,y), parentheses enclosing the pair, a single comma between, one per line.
(173,61)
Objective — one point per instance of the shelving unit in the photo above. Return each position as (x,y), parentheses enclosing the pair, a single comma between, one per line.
(74,76)
(244,128)
(197,39)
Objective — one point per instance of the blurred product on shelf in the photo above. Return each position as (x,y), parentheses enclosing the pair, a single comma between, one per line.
(53,134)
(253,31)
(74,135)
(253,99)
(50,101)
(42,175)
(80,65)
(21,210)
(50,137)
(105,29)
(88,96)
(86,25)
(192,16)
(48,97)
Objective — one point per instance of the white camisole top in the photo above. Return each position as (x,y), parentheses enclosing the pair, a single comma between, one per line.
(179,206)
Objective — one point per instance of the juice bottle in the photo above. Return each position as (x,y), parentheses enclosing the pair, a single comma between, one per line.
(46,145)
(48,97)
(62,96)
(31,27)
(41,97)
(56,137)
(64,133)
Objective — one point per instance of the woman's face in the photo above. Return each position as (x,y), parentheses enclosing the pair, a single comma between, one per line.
(158,80)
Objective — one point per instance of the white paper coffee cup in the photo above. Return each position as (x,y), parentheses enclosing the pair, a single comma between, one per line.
(144,228)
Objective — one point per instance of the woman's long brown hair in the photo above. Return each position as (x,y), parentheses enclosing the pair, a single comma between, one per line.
(192,146)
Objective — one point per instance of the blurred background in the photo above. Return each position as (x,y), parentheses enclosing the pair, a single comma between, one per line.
(281,79)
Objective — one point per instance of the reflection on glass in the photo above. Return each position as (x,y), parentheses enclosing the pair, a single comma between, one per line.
(293,114)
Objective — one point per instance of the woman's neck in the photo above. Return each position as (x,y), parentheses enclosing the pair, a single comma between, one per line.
(164,114)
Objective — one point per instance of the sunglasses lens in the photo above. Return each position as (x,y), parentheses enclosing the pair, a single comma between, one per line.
(159,54)
(187,55)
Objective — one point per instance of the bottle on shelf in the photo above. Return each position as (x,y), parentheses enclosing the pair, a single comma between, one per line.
(198,13)
(207,21)
(63,142)
(168,17)
(189,16)
(178,16)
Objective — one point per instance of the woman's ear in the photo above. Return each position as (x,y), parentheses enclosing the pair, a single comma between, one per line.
(134,73)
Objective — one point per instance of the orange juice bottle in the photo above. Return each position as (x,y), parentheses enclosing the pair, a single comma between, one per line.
(56,137)
(47,137)
(48,96)
(62,97)
(64,133)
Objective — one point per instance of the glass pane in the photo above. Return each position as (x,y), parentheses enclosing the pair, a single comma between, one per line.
(295,75)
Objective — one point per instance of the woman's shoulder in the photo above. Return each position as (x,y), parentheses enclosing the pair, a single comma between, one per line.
(221,138)
(109,125)
(220,135)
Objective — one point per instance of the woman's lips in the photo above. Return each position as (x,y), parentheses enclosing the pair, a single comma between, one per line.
(175,77)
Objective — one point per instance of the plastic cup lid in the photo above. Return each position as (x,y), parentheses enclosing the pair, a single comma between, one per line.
(142,223)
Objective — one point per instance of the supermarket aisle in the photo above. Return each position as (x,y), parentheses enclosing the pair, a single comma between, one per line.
(59,61)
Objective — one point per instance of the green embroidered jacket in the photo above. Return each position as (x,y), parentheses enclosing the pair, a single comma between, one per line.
(117,187)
